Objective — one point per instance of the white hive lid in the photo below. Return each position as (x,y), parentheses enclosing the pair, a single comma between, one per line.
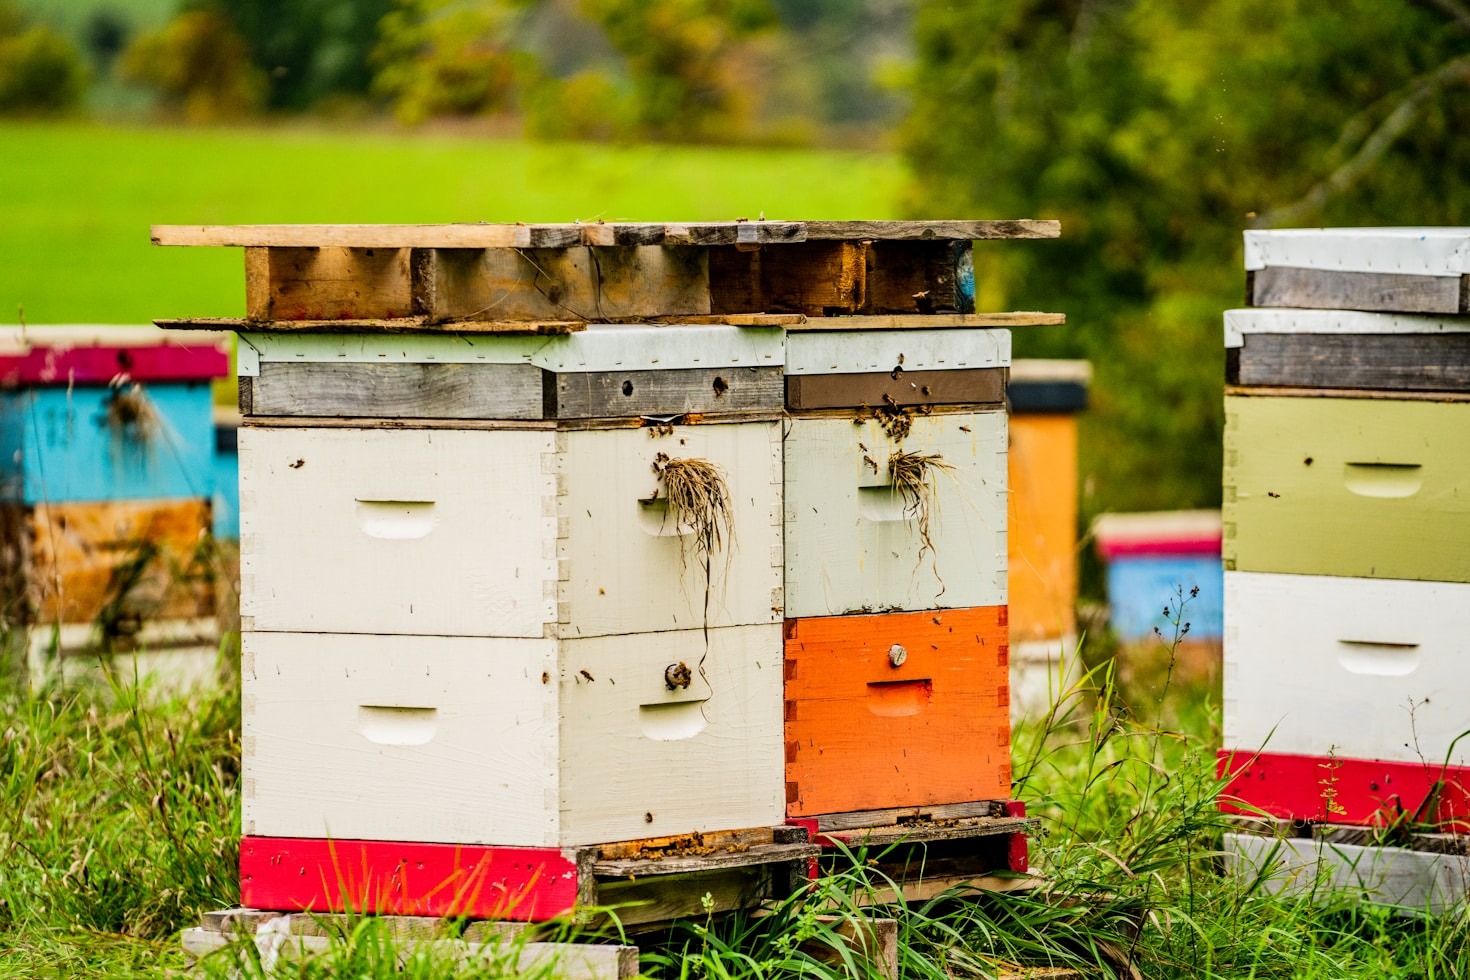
(1404,251)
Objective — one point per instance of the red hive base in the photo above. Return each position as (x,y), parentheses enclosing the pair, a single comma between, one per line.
(1344,791)
(524,884)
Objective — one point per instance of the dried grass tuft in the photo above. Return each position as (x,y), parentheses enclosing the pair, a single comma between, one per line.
(912,475)
(699,502)
(132,415)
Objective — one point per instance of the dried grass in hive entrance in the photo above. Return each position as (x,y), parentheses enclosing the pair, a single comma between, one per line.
(913,480)
(698,500)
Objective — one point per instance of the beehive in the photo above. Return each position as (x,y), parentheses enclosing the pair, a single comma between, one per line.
(501,626)
(104,485)
(1345,480)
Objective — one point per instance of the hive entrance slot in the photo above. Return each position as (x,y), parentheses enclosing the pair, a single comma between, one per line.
(896,699)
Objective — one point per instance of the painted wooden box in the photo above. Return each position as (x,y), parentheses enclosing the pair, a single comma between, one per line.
(120,564)
(896,710)
(524,742)
(1360,487)
(858,541)
(605,371)
(522,533)
(1155,560)
(1405,270)
(1346,350)
(1355,667)
(1045,397)
(97,442)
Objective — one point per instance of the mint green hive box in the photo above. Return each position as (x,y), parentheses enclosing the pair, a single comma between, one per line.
(1364,487)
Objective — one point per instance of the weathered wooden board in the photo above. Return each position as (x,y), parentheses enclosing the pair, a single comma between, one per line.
(398,326)
(560,283)
(853,544)
(843,277)
(571,961)
(1347,486)
(516,742)
(438,391)
(522,235)
(384,531)
(501,391)
(896,710)
(1241,323)
(1419,883)
(1366,668)
(707,391)
(926,321)
(328,283)
(972,386)
(1344,790)
(96,442)
(602,347)
(1433,251)
(119,564)
(627,565)
(862,352)
(1422,362)
(1332,289)
(944,812)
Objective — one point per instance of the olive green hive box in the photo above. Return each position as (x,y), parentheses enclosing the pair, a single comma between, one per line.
(1363,487)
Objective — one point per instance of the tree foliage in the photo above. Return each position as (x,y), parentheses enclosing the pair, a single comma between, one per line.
(309,49)
(198,65)
(450,58)
(41,72)
(1156,131)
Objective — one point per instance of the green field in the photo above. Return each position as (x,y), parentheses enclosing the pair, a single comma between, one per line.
(79,198)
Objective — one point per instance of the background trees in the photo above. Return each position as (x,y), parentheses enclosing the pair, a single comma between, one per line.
(1157,130)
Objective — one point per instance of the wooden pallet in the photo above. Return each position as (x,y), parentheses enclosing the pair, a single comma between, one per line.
(918,853)
(639,883)
(557,276)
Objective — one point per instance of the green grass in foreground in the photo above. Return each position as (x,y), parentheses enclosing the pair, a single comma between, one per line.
(118,826)
(79,198)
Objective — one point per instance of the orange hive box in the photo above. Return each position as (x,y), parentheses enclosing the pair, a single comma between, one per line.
(897,710)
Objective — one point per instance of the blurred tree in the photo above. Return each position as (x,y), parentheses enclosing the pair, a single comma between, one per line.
(309,49)
(1156,131)
(683,58)
(451,58)
(41,72)
(198,65)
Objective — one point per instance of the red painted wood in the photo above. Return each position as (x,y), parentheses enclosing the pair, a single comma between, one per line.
(100,365)
(526,884)
(1019,851)
(1160,547)
(1345,791)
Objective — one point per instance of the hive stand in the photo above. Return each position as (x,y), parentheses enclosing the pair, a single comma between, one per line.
(433,375)
(1347,581)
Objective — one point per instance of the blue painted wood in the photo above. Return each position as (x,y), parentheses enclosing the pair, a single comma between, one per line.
(1140,586)
(63,445)
(226,490)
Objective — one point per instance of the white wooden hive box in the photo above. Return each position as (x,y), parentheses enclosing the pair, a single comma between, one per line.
(500,533)
(518,742)
(853,544)
(1406,251)
(1347,667)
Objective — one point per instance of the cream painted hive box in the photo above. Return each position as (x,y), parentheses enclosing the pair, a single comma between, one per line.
(581,544)
(449,526)
(855,543)
(515,742)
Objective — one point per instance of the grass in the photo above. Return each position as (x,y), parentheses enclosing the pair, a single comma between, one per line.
(118,826)
(80,197)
